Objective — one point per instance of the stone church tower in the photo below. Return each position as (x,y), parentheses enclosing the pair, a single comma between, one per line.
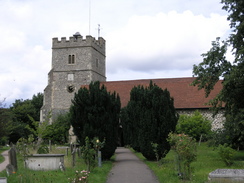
(75,62)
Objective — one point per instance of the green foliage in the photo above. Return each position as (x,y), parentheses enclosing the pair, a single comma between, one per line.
(43,149)
(88,154)
(217,137)
(148,118)
(6,125)
(215,65)
(155,150)
(194,125)
(20,110)
(186,153)
(24,146)
(226,153)
(95,113)
(58,131)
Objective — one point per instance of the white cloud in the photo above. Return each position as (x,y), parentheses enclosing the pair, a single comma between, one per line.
(144,39)
(172,41)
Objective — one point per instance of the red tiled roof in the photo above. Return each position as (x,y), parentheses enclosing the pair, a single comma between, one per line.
(185,96)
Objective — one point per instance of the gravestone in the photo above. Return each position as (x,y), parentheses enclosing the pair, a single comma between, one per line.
(3,180)
(73,157)
(99,158)
(227,175)
(61,166)
(10,169)
(50,145)
(12,158)
(79,152)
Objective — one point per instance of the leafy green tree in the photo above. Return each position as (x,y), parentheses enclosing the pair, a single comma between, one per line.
(151,116)
(21,109)
(37,102)
(6,118)
(215,66)
(193,125)
(95,113)
(58,131)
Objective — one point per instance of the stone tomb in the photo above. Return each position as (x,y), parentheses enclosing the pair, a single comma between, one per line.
(44,161)
(3,180)
(227,175)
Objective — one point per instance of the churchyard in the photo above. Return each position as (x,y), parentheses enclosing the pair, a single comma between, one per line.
(74,166)
(207,161)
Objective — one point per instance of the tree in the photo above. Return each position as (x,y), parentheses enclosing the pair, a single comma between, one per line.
(150,117)
(194,125)
(58,131)
(95,113)
(37,102)
(21,109)
(215,66)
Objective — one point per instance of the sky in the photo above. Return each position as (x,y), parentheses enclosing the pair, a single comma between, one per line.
(145,39)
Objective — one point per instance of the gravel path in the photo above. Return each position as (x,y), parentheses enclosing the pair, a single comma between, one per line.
(128,168)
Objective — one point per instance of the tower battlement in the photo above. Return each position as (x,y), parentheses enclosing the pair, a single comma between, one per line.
(89,41)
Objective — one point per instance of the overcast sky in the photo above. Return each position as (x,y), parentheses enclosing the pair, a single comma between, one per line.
(145,39)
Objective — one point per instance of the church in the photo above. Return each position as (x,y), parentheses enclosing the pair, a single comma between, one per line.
(77,61)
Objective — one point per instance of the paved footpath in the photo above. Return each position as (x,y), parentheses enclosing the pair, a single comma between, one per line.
(6,162)
(128,168)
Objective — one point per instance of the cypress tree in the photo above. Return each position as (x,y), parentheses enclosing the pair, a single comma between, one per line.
(152,117)
(95,113)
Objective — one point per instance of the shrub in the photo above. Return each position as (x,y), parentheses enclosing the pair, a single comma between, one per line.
(88,154)
(226,153)
(185,149)
(194,125)
(80,176)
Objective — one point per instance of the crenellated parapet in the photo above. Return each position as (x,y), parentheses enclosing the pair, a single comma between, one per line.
(78,41)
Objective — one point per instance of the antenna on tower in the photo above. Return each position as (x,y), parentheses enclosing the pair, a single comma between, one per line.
(89,17)
(98,29)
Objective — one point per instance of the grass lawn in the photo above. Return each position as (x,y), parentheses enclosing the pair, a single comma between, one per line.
(207,161)
(1,150)
(98,174)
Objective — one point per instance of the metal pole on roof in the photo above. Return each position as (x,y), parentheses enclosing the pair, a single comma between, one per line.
(89,17)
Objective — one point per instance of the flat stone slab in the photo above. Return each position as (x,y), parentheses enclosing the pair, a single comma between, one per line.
(227,175)
(3,180)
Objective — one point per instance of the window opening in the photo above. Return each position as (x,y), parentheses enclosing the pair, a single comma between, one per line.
(71,59)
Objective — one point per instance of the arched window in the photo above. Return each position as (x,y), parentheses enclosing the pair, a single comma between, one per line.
(71,59)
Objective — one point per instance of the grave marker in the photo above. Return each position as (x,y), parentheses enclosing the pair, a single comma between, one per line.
(12,158)
(227,175)
(73,157)
(10,169)
(3,180)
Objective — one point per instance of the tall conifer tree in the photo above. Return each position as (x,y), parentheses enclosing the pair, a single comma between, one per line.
(95,113)
(150,117)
